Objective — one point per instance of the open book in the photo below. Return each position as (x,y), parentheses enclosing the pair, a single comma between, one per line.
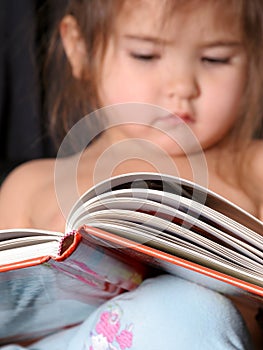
(119,232)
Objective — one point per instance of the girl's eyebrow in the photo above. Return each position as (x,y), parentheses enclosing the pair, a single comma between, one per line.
(222,43)
(146,38)
(159,40)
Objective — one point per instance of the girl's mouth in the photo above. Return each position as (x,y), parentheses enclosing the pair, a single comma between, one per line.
(185,117)
(173,119)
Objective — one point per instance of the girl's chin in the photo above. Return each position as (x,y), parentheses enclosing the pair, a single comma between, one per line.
(174,147)
(148,140)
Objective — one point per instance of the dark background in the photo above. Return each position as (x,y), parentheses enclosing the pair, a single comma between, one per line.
(25,27)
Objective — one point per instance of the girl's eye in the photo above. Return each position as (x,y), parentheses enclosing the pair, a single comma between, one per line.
(215,60)
(144,57)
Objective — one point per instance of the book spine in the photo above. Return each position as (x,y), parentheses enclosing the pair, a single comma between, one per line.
(68,245)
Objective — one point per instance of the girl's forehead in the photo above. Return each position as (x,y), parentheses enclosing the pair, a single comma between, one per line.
(165,15)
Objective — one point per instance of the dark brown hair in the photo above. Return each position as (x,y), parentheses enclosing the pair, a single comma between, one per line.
(69,99)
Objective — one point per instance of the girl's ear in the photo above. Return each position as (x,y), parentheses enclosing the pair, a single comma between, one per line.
(74,45)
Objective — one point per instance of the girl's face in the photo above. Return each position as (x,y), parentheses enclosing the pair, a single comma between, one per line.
(194,65)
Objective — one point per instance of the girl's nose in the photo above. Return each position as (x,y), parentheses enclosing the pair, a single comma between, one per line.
(182,83)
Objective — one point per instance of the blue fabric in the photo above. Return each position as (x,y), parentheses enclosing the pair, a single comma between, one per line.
(33,296)
(165,312)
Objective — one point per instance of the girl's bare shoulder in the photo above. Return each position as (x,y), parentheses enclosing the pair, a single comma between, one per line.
(254,171)
(255,160)
(20,189)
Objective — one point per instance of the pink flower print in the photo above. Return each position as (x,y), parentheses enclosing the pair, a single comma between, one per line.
(108,325)
(99,342)
(125,338)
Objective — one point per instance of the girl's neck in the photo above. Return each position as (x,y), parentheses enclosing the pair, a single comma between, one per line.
(111,155)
